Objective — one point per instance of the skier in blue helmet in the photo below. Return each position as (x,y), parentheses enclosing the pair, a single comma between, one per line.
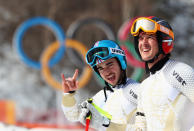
(118,98)
(104,50)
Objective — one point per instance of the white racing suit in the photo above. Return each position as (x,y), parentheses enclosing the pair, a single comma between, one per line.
(165,99)
(121,104)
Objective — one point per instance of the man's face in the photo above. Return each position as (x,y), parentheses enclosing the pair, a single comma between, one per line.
(110,71)
(148,46)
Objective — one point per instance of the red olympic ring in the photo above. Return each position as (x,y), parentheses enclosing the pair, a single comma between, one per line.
(123,32)
(131,60)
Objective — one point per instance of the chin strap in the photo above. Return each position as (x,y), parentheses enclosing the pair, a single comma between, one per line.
(153,59)
(150,61)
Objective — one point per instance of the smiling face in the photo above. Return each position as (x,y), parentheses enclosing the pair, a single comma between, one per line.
(110,71)
(148,46)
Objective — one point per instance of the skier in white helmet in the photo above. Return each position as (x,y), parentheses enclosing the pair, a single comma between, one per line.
(118,98)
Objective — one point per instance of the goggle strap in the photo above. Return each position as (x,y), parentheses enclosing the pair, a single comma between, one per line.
(166,31)
(117,51)
(98,60)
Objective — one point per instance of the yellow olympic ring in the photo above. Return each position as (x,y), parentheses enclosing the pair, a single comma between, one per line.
(48,53)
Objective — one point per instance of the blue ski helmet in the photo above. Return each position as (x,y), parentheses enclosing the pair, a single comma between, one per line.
(104,50)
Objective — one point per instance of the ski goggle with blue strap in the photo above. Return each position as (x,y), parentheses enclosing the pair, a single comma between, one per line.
(102,53)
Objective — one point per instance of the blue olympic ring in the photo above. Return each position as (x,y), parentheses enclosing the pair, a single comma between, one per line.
(59,33)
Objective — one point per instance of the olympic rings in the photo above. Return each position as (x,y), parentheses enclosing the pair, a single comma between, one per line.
(74,27)
(123,35)
(138,72)
(123,32)
(47,54)
(131,55)
(18,35)
(131,48)
(98,22)
(46,63)
(131,60)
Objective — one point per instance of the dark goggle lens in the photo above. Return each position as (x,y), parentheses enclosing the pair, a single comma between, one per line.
(101,52)
(134,28)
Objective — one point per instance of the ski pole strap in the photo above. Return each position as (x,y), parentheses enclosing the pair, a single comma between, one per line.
(101,111)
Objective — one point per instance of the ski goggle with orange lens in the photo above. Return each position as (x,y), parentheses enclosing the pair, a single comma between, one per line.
(149,26)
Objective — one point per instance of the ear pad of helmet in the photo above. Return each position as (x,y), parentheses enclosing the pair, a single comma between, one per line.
(167,46)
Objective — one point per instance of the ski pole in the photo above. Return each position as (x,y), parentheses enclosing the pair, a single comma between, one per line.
(88,117)
(88,122)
